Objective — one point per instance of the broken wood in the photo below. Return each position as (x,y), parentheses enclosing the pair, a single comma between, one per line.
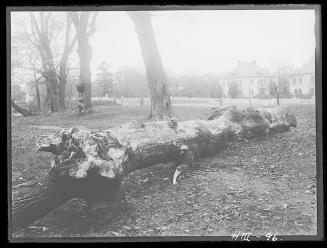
(91,163)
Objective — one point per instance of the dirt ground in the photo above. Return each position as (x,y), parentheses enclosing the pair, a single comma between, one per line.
(264,185)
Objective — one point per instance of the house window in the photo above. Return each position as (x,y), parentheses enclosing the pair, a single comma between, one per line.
(300,80)
(296,92)
(262,91)
(300,91)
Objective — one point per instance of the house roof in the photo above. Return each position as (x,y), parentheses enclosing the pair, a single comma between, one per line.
(247,69)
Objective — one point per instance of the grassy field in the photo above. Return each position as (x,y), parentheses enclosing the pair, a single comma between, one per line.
(258,186)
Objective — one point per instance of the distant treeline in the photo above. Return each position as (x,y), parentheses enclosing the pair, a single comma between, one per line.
(195,86)
(130,82)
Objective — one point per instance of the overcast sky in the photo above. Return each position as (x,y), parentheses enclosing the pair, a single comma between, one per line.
(196,42)
(211,41)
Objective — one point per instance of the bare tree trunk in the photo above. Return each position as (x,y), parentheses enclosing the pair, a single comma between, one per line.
(160,99)
(42,41)
(37,93)
(91,164)
(50,84)
(84,53)
(46,102)
(63,65)
(62,92)
(38,97)
(84,30)
(51,76)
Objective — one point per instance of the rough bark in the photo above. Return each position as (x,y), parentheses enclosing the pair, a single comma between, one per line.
(84,53)
(38,99)
(63,64)
(160,99)
(21,110)
(62,93)
(84,30)
(35,200)
(93,163)
(38,199)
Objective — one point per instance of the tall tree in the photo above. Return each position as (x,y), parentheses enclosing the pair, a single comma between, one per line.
(42,39)
(63,63)
(279,88)
(84,23)
(160,99)
(32,61)
(37,50)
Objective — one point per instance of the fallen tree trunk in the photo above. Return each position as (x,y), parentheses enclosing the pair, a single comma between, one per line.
(91,164)
(21,110)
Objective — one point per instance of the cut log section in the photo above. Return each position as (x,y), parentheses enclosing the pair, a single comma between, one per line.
(91,163)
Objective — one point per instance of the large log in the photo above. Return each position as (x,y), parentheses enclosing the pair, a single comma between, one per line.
(21,110)
(91,163)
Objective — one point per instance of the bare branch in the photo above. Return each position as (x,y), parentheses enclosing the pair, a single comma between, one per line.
(34,32)
(75,19)
(84,20)
(92,24)
(68,47)
(31,69)
(42,21)
(47,24)
(72,43)
(28,37)
(34,23)
(51,33)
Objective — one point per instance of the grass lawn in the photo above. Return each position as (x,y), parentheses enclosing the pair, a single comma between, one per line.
(258,186)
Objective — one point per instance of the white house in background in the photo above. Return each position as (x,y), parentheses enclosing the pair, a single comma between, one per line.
(302,80)
(252,79)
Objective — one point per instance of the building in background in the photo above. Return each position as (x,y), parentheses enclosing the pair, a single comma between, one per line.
(302,80)
(250,79)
